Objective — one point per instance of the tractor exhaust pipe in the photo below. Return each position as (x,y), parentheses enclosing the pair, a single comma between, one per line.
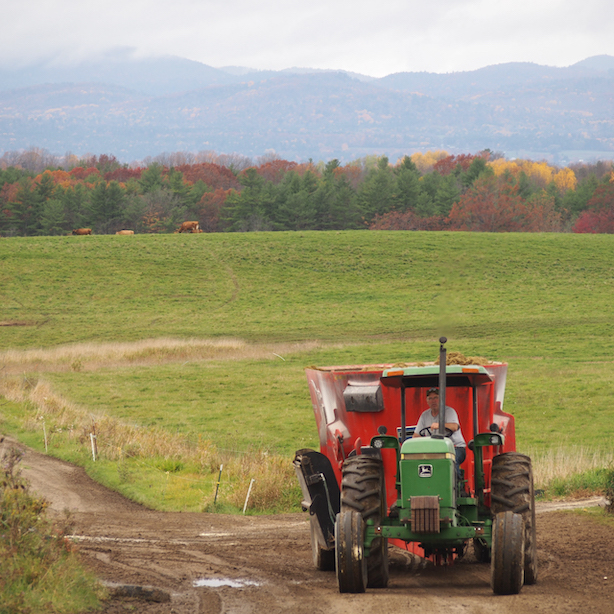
(443,357)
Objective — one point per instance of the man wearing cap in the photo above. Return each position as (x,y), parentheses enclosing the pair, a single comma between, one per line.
(429,424)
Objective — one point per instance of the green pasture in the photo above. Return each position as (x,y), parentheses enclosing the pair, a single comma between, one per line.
(520,289)
(541,302)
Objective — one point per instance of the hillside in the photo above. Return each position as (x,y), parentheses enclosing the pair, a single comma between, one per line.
(138,108)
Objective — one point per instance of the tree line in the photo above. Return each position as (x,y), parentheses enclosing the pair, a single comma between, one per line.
(425,191)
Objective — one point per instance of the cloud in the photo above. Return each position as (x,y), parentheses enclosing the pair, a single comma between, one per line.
(358,35)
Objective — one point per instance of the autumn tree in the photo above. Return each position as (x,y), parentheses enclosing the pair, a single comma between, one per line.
(599,217)
(491,205)
(426,161)
(213,175)
(274,170)
(210,210)
(449,164)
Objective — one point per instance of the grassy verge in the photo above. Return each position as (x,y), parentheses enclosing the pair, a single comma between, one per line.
(573,471)
(39,568)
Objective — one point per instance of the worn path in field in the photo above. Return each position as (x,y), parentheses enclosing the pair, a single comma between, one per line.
(193,563)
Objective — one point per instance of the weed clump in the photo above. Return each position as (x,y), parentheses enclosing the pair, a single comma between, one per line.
(39,567)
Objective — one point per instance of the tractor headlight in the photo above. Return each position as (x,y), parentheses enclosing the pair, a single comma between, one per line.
(378,443)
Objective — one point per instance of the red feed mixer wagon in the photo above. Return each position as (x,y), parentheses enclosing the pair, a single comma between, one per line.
(373,483)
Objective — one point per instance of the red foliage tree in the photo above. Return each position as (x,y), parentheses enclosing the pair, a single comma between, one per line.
(210,207)
(492,205)
(354,174)
(599,216)
(275,170)
(446,165)
(121,175)
(83,173)
(215,176)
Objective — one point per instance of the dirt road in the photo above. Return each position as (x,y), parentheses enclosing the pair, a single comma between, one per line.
(212,564)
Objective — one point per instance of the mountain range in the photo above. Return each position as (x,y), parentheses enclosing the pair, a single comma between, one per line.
(136,108)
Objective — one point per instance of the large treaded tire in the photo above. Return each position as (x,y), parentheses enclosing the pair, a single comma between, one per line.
(507,562)
(362,490)
(349,555)
(512,490)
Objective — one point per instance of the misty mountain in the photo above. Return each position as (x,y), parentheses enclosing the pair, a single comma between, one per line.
(134,108)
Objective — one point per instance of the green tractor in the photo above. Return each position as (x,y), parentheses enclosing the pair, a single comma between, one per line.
(407,490)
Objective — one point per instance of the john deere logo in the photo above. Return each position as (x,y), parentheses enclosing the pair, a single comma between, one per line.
(425,471)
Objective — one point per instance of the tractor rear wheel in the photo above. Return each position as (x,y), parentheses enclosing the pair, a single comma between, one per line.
(324,560)
(349,553)
(507,562)
(512,489)
(363,490)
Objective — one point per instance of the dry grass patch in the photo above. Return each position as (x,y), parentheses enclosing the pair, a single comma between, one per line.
(93,356)
(563,465)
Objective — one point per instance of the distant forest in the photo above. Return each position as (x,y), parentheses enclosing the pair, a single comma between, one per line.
(41,194)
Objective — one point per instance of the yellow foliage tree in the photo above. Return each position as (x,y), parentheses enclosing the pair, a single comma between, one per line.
(541,174)
(501,166)
(565,180)
(425,162)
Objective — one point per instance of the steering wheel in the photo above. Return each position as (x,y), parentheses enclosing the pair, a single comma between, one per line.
(426,432)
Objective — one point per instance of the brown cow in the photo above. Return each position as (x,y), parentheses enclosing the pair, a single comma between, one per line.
(125,232)
(189,227)
(82,231)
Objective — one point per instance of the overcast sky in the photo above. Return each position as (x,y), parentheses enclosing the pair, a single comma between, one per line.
(370,37)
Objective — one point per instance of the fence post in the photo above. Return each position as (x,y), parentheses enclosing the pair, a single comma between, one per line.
(217,486)
(92,437)
(249,490)
(95,440)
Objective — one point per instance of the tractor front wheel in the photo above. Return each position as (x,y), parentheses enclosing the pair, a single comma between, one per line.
(507,562)
(349,554)
(363,490)
(512,490)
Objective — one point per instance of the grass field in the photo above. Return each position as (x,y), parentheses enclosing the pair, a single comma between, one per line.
(202,340)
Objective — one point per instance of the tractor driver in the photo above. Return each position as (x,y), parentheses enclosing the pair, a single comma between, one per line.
(429,424)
